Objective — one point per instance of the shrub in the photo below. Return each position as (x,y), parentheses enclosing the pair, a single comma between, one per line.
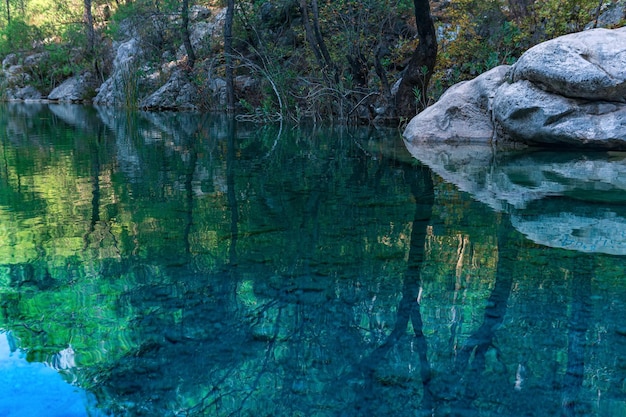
(18,36)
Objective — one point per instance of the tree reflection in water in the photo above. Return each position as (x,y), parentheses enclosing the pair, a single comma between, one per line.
(201,267)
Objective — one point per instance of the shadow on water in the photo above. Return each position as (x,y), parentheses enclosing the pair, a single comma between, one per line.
(197,266)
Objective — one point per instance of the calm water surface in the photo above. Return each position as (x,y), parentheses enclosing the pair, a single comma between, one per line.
(183,265)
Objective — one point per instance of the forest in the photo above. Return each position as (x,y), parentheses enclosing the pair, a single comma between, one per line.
(309,59)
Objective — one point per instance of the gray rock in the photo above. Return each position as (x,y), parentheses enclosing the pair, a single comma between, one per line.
(201,35)
(462,113)
(217,86)
(204,34)
(126,52)
(178,93)
(15,76)
(105,93)
(130,83)
(244,84)
(611,17)
(197,12)
(589,65)
(13,70)
(74,89)
(23,93)
(569,91)
(9,61)
(112,92)
(526,113)
(34,60)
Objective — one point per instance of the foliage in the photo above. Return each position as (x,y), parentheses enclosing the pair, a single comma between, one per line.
(481,34)
(130,85)
(155,24)
(558,17)
(356,35)
(56,63)
(18,36)
(477,36)
(365,45)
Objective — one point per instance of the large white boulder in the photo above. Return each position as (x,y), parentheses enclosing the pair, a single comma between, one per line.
(462,113)
(528,114)
(569,91)
(589,65)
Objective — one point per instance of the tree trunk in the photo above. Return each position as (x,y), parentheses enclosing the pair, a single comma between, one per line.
(308,31)
(412,92)
(318,34)
(315,38)
(520,9)
(88,20)
(8,13)
(382,74)
(228,51)
(579,323)
(191,56)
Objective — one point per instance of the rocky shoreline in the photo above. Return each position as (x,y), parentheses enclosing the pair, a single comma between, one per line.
(170,86)
(569,91)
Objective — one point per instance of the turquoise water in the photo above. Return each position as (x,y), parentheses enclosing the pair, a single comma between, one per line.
(38,389)
(188,265)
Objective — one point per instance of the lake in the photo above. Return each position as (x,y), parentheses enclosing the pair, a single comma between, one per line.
(191,265)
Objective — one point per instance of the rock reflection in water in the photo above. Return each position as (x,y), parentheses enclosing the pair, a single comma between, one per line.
(568,200)
(204,268)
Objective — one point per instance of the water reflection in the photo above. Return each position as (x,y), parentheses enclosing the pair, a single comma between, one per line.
(571,200)
(200,267)
(34,389)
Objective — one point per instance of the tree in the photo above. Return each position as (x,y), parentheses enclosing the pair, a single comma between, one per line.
(228,52)
(411,95)
(88,20)
(314,36)
(191,56)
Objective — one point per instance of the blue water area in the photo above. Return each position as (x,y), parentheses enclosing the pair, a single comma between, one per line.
(156,264)
(32,389)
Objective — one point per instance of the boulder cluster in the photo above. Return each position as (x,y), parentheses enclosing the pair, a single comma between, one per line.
(569,91)
(134,78)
